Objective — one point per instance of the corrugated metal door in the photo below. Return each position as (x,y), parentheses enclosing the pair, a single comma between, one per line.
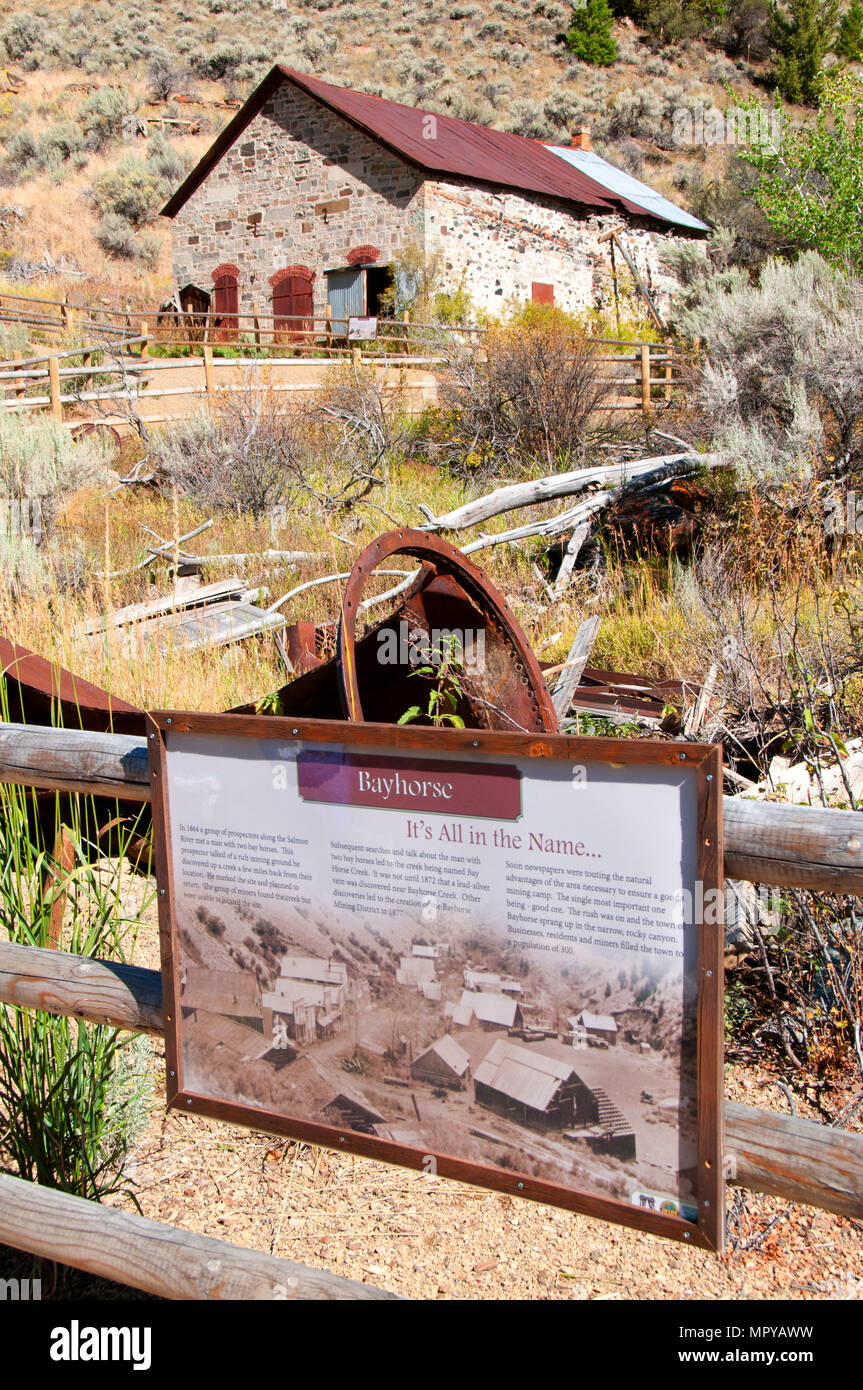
(345,298)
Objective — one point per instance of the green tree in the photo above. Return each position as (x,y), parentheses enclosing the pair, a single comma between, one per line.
(590,37)
(672,20)
(849,44)
(811,184)
(801,38)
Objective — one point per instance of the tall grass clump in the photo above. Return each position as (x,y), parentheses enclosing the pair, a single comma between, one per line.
(73,1095)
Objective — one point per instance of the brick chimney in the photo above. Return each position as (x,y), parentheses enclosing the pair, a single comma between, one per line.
(581,139)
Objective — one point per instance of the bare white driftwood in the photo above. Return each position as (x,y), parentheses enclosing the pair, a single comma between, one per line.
(507,499)
(570,555)
(551,527)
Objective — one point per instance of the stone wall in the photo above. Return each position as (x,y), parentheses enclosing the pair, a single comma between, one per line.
(302,187)
(319,187)
(498,244)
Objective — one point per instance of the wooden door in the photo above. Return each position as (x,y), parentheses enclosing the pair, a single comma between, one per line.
(225,302)
(292,308)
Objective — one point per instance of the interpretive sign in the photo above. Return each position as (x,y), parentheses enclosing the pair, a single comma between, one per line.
(496,957)
(362,329)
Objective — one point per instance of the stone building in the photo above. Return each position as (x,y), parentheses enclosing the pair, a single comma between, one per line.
(313,193)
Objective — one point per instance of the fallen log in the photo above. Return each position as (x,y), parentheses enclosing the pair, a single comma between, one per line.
(509,498)
(149,1255)
(552,526)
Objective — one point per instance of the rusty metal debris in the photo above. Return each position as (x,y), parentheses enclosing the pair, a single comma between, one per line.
(503,690)
(337,675)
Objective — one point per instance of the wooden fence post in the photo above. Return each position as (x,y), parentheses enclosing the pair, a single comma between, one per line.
(209,374)
(145,343)
(406,318)
(54,388)
(329,328)
(669,373)
(645,378)
(356,355)
(256,326)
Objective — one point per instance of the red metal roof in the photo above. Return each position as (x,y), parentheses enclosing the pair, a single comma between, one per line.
(434,143)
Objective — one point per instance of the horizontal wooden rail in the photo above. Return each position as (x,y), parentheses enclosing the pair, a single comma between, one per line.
(109,992)
(74,760)
(790,846)
(778,1154)
(159,1259)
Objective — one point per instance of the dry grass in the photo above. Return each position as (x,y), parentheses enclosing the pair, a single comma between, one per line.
(660,617)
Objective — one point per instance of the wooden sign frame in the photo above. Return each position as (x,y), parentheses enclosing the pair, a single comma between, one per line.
(702,762)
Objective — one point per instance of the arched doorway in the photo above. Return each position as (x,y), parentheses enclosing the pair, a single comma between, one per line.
(225,302)
(293,303)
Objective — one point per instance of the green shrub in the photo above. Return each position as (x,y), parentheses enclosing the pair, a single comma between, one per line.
(132,191)
(60,142)
(116,237)
(102,115)
(73,1096)
(38,458)
(24,38)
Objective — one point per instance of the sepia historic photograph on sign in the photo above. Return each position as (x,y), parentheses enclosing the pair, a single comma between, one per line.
(485,956)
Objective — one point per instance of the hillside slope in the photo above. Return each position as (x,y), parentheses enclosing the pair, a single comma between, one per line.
(500,64)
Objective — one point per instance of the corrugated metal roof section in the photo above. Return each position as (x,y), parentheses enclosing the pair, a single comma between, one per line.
(615,180)
(522,1074)
(435,143)
(449,1051)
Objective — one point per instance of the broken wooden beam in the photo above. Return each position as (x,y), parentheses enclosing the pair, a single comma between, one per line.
(567,682)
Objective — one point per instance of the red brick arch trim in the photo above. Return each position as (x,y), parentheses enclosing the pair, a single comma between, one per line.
(303,272)
(363,255)
(226,269)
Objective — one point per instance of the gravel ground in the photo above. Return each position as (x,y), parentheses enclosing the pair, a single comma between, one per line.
(430,1238)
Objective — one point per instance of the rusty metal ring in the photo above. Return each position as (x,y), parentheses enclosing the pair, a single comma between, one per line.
(421,545)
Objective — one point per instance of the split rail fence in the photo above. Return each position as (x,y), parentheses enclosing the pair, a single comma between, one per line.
(783,1155)
(117,367)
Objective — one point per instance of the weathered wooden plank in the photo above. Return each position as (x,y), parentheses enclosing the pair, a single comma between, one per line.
(796,1159)
(100,991)
(794,846)
(170,603)
(148,1255)
(564,691)
(792,1158)
(74,760)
